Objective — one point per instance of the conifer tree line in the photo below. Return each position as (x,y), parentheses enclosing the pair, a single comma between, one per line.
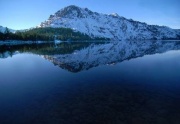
(45,34)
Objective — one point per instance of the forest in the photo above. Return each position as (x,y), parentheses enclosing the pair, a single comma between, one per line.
(46,34)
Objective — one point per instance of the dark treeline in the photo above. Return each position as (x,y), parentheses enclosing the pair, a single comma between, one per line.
(45,48)
(45,34)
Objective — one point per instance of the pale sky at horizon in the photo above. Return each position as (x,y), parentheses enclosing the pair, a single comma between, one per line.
(23,14)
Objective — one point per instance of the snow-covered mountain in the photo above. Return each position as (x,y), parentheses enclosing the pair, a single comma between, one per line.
(110,53)
(3,29)
(110,26)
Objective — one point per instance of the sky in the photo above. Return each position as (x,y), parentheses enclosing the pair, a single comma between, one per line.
(24,14)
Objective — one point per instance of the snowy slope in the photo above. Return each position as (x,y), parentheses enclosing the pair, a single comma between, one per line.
(110,26)
(110,53)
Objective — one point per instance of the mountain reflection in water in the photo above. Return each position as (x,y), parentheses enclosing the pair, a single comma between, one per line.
(145,90)
(109,53)
(80,56)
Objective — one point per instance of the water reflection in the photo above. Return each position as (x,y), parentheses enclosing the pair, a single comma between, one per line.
(43,48)
(143,90)
(111,53)
(80,56)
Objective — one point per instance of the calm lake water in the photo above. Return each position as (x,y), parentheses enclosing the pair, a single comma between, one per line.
(126,82)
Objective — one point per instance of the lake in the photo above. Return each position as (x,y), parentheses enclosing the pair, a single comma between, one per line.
(125,82)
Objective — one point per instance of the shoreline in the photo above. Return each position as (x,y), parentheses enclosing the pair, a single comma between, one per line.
(17,42)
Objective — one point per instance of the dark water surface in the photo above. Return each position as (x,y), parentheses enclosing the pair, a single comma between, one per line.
(86,83)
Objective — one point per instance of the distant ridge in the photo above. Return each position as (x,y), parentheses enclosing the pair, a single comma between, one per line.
(3,29)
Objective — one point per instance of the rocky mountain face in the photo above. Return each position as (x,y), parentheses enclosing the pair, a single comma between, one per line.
(109,53)
(110,26)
